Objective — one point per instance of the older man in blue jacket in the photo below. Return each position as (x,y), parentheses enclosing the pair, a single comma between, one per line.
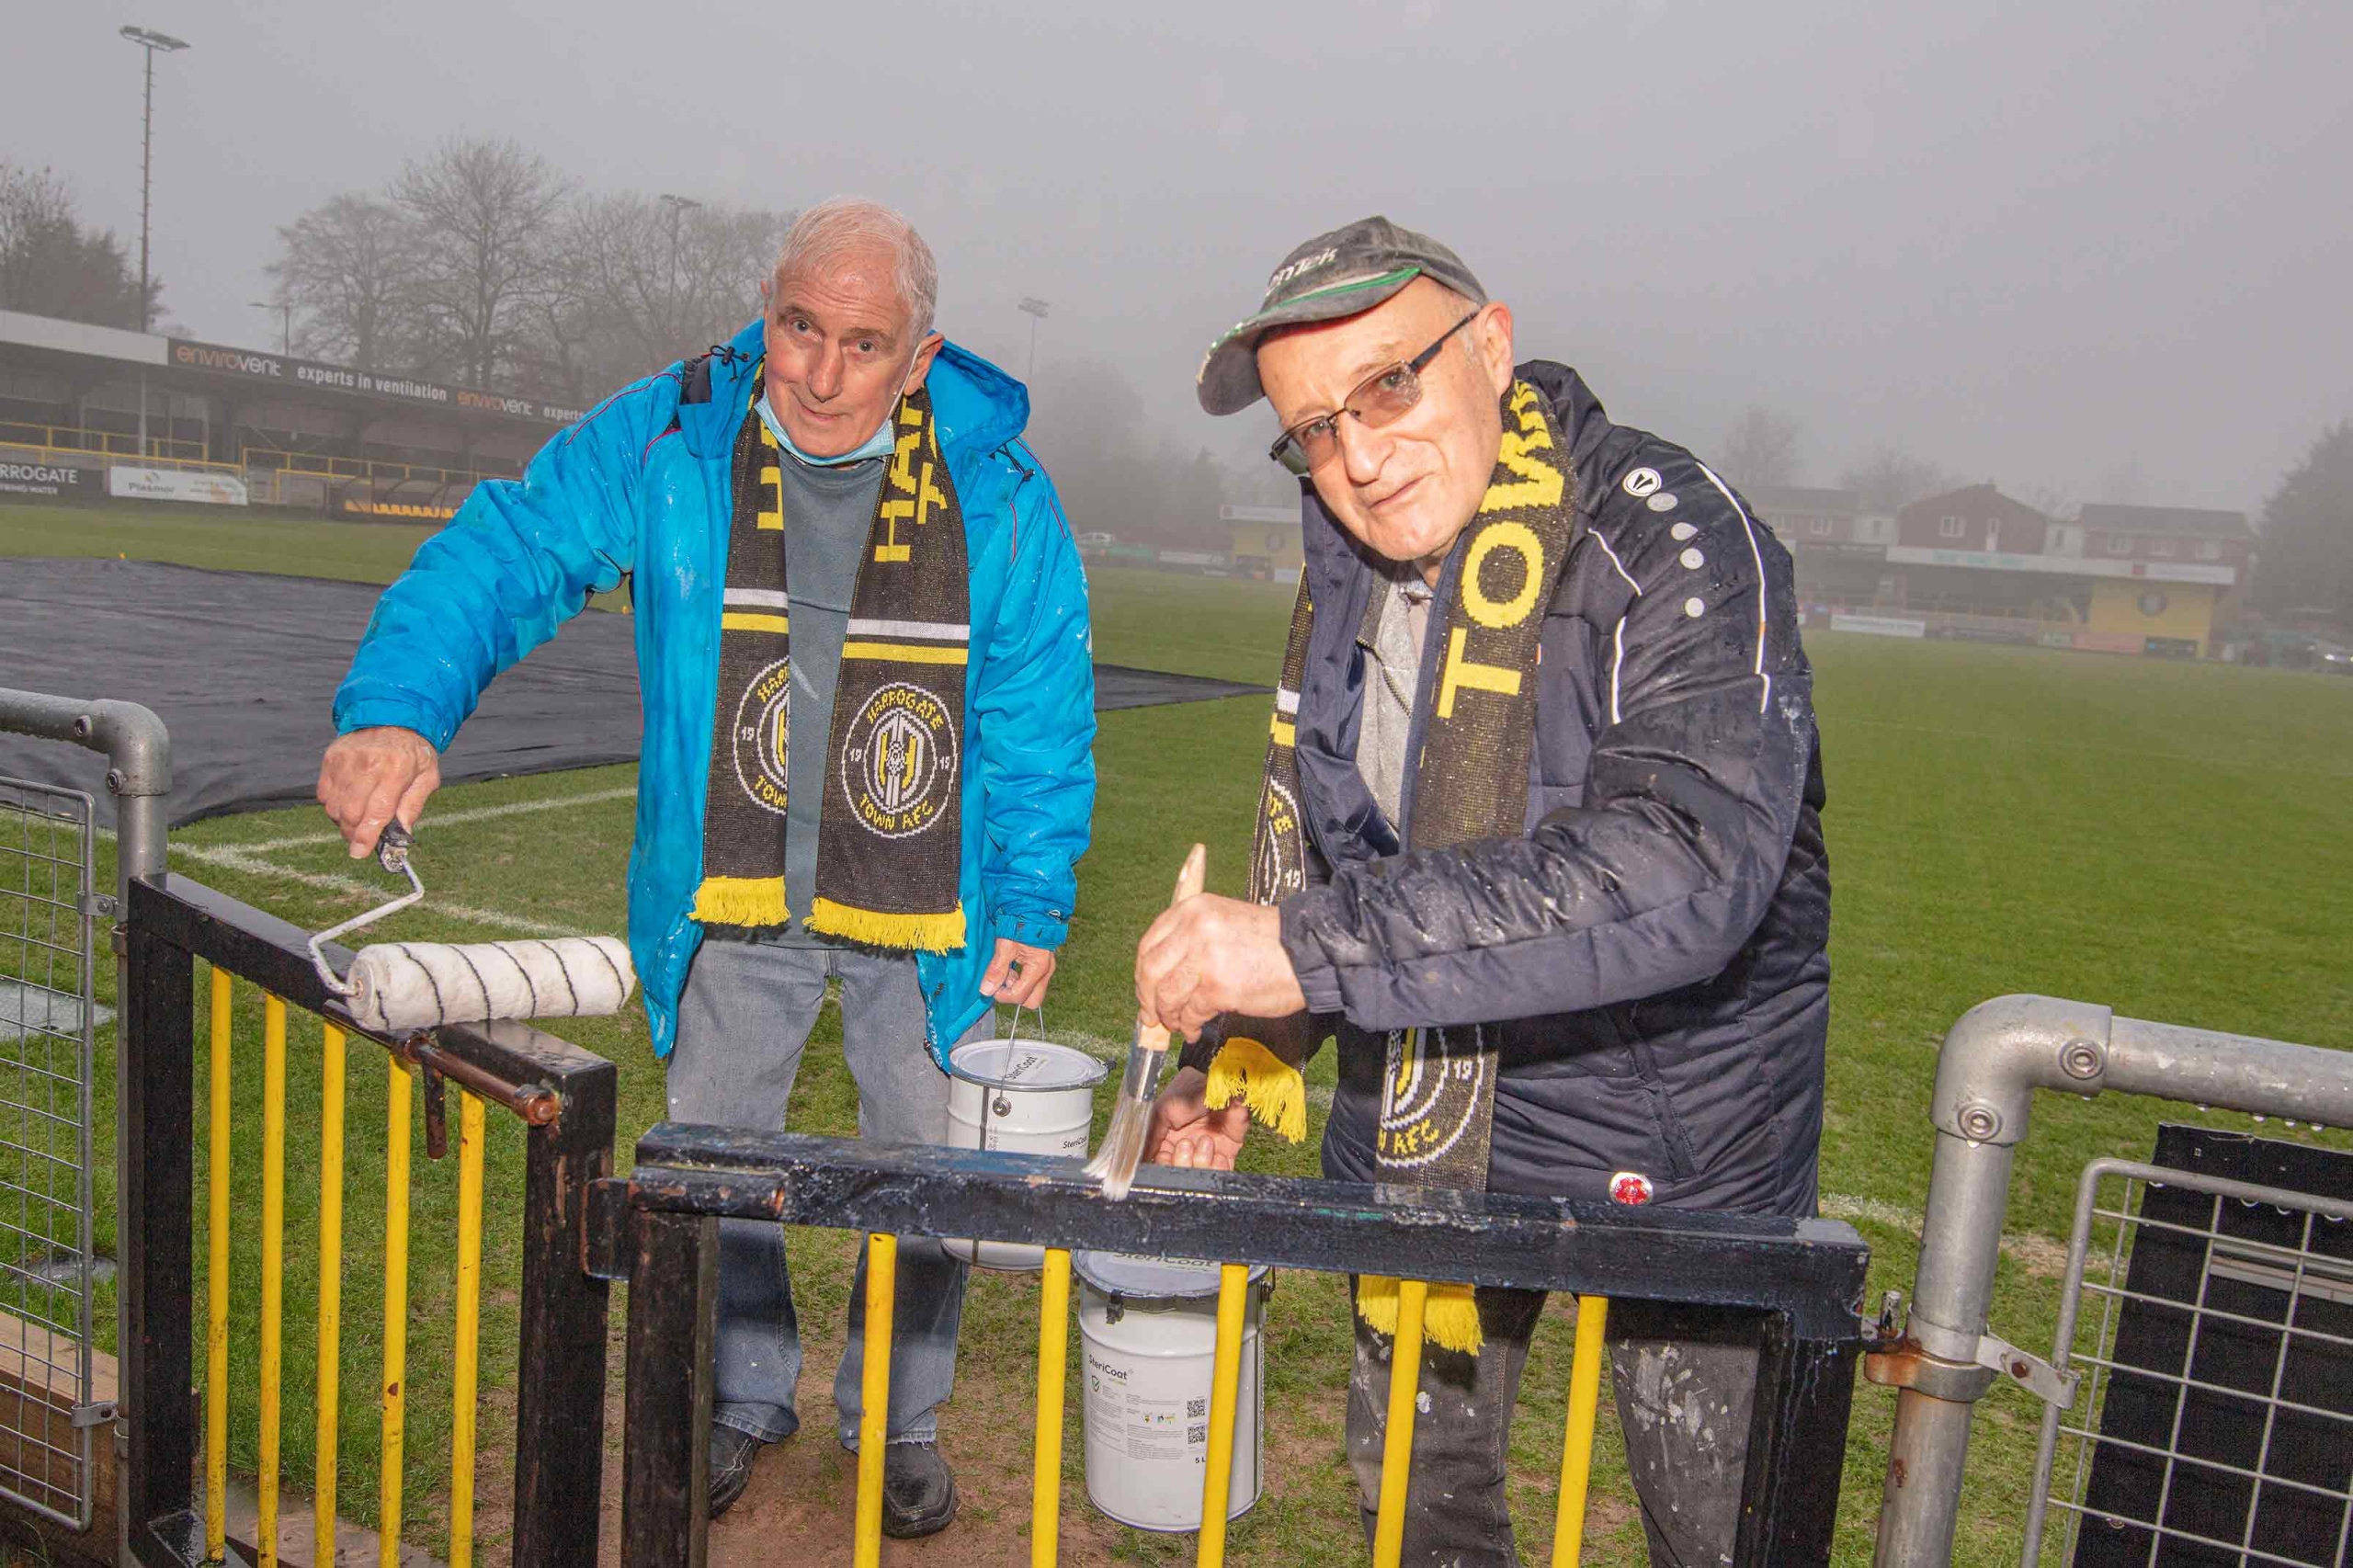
(868,696)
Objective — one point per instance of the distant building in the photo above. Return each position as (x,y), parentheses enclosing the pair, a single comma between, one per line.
(1265,542)
(1976,563)
(1980,519)
(97,414)
(1839,545)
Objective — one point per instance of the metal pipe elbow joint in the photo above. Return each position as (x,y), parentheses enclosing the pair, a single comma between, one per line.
(1999,1052)
(137,747)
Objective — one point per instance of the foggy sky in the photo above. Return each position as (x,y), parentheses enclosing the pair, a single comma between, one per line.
(2086,247)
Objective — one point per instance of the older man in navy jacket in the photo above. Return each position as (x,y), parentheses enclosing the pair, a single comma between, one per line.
(1542,812)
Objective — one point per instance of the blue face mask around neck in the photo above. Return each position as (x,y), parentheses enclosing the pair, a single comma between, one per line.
(879,445)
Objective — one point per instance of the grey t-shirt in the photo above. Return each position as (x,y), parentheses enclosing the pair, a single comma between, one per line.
(1393,637)
(828,516)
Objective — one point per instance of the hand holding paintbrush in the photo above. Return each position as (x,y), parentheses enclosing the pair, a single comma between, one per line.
(1206,956)
(1115,1164)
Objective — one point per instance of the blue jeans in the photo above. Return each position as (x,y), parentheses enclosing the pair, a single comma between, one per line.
(743,1020)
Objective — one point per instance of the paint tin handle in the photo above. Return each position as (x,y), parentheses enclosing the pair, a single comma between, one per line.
(1037,1013)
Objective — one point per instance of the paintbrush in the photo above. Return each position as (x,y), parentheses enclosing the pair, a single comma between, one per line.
(1115,1163)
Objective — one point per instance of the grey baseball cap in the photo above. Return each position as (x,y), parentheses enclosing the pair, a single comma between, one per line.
(1342,273)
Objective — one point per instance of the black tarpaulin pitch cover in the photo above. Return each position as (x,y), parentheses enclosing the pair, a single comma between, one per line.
(242,666)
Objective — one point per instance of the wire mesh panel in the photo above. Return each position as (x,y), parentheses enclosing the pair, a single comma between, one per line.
(48,1016)
(2212,1318)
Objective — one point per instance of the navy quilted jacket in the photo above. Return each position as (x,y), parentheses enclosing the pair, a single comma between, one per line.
(1654,944)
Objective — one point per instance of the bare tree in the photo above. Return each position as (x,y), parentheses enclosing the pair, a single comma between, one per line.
(1762,448)
(31,200)
(1890,479)
(639,283)
(50,265)
(485,216)
(722,255)
(349,268)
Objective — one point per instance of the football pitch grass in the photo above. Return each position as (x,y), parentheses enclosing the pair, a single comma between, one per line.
(2169,839)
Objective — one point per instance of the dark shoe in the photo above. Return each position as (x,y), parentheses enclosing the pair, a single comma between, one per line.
(918,1493)
(732,1453)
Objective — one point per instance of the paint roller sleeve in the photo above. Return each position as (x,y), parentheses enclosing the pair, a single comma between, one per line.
(401,987)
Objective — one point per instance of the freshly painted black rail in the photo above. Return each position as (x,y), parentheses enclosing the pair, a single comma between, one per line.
(1799,1281)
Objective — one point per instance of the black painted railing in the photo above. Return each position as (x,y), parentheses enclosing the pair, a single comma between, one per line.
(564,1097)
(1801,1283)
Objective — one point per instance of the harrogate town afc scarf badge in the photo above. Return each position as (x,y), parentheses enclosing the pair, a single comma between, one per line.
(890,842)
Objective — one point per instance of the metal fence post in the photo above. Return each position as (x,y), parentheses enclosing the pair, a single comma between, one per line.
(1987,1073)
(560,1402)
(139,776)
(665,1459)
(1992,1063)
(157,1118)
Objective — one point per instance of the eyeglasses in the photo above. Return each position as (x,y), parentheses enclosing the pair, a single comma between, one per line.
(1382,398)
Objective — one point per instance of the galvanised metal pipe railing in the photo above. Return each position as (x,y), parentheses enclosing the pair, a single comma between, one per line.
(658,1228)
(138,750)
(1994,1059)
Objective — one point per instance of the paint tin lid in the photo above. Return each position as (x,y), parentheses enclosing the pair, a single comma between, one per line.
(1025,1064)
(1139,1278)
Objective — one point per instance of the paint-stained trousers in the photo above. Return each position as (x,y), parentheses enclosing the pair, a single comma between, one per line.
(743,1022)
(1683,1403)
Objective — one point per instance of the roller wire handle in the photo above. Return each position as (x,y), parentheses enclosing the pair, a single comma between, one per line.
(391,852)
(1115,1164)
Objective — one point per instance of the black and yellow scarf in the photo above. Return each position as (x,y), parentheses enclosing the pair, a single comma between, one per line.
(1439,1095)
(891,828)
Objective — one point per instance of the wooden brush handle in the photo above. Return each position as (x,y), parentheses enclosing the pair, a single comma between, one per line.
(1154,1037)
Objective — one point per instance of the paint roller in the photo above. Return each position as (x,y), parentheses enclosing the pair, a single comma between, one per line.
(397,988)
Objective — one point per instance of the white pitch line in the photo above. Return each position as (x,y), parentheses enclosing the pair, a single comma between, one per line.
(231,857)
(247,858)
(1878,1210)
(451,819)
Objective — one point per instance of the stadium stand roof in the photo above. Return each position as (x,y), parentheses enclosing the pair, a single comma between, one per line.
(2179,520)
(227,368)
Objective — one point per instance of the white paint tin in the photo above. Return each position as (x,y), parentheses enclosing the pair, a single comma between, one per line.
(1025,1095)
(1147,1331)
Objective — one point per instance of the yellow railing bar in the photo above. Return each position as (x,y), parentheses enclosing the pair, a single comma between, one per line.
(882,1296)
(74,438)
(1053,1356)
(388,1524)
(1576,1451)
(356,468)
(216,1284)
(1225,1379)
(273,1263)
(1397,1448)
(331,1068)
(468,1348)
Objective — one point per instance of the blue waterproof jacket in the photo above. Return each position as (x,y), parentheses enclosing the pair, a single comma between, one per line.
(641,488)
